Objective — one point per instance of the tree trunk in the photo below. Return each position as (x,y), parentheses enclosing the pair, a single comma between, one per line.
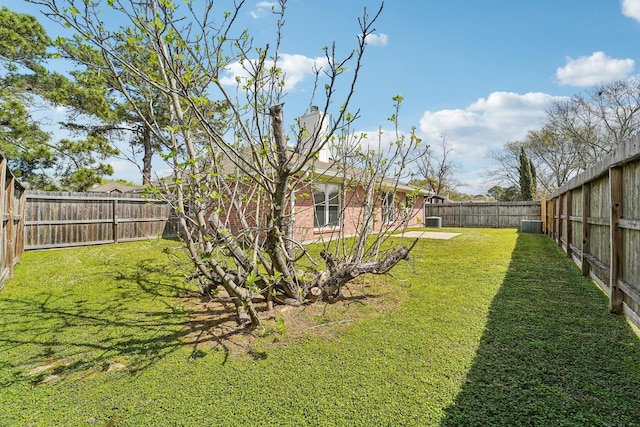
(148,154)
(335,277)
(275,244)
(314,294)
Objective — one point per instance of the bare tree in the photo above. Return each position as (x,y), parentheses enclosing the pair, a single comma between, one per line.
(238,169)
(558,158)
(505,169)
(437,168)
(607,114)
(579,126)
(575,134)
(617,104)
(552,155)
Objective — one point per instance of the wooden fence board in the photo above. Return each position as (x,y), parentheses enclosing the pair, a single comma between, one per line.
(616,264)
(576,222)
(610,224)
(484,215)
(60,219)
(12,221)
(599,219)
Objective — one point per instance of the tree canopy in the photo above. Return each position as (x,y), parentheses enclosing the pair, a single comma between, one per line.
(527,173)
(240,172)
(38,157)
(574,134)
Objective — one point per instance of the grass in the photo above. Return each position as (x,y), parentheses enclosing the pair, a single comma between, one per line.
(489,328)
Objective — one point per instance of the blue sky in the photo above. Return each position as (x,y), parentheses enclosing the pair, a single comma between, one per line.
(480,72)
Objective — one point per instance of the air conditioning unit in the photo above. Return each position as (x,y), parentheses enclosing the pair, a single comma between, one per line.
(433,222)
(531,226)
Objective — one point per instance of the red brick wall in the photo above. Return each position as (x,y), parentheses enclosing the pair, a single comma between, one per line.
(352,215)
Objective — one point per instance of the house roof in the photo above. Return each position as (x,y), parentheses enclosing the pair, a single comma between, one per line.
(320,171)
(111,187)
(330,171)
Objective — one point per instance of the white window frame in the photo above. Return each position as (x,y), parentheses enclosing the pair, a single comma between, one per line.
(324,207)
(388,207)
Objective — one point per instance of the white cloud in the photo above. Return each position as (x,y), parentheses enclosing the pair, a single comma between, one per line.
(485,125)
(590,70)
(294,67)
(377,39)
(631,8)
(488,122)
(263,8)
(121,166)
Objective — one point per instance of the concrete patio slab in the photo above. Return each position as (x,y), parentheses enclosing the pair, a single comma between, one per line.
(430,235)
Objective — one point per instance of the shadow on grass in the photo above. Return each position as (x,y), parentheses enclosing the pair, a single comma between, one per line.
(551,353)
(145,316)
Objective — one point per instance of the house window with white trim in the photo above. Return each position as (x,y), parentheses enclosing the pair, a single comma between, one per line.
(388,207)
(410,201)
(326,201)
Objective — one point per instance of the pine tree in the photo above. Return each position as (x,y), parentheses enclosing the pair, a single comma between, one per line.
(34,156)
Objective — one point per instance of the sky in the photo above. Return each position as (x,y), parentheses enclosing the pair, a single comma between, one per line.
(478,73)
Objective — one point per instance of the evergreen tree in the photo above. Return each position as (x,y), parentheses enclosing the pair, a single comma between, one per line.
(526,176)
(534,179)
(25,83)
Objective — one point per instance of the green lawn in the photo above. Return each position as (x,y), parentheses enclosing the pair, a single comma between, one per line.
(493,328)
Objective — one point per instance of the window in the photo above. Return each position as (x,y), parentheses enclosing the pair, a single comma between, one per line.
(388,209)
(409,204)
(326,201)
(411,200)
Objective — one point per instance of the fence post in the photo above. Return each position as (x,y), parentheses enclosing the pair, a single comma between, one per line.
(4,265)
(552,218)
(543,214)
(9,230)
(559,220)
(586,208)
(115,220)
(569,226)
(20,226)
(615,192)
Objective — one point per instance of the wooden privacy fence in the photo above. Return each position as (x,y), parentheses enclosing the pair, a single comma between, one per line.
(484,214)
(12,197)
(59,219)
(595,218)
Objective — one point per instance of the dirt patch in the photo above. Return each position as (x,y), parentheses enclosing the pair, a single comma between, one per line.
(53,370)
(47,371)
(213,322)
(46,365)
(116,366)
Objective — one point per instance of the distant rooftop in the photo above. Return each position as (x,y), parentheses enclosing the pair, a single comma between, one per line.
(114,187)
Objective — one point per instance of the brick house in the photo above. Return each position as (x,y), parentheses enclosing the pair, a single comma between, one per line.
(329,208)
(323,206)
(326,207)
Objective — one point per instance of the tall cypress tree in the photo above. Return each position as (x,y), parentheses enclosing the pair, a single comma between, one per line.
(526,176)
(534,179)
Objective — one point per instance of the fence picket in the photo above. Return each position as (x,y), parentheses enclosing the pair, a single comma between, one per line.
(12,195)
(610,225)
(484,214)
(57,219)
